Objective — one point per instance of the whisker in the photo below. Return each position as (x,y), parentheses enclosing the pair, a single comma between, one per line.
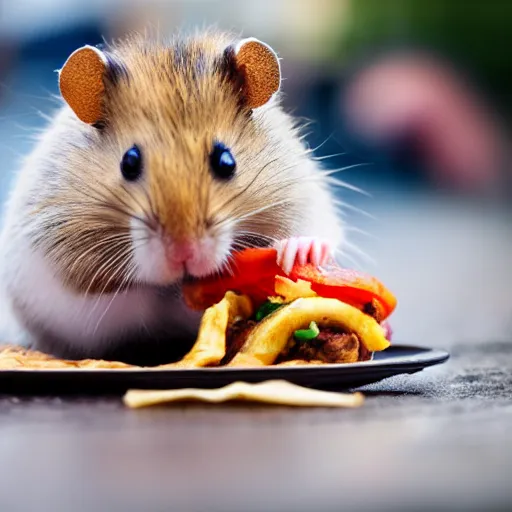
(237,220)
(129,274)
(241,245)
(254,234)
(319,146)
(244,190)
(330,172)
(274,186)
(352,260)
(343,184)
(125,261)
(326,157)
(348,206)
(304,136)
(119,241)
(227,265)
(354,229)
(111,261)
(359,251)
(104,201)
(117,269)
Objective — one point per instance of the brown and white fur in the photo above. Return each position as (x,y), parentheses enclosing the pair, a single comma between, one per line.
(90,263)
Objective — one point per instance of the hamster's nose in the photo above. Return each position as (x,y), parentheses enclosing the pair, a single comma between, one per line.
(179,253)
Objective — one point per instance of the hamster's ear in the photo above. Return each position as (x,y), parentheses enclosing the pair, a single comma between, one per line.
(258,67)
(81,83)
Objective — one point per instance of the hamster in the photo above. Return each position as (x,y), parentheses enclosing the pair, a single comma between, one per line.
(162,160)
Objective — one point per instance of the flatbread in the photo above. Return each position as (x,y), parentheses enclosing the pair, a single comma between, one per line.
(18,358)
(276,392)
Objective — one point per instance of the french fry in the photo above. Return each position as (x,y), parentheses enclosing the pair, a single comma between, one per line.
(210,346)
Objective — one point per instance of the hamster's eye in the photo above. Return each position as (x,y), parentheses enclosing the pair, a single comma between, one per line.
(222,162)
(131,164)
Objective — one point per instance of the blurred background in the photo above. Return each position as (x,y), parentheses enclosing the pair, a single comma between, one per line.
(420,92)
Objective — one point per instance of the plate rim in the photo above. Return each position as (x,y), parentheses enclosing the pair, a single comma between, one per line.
(437,356)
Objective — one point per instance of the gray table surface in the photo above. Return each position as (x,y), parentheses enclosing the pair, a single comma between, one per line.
(440,439)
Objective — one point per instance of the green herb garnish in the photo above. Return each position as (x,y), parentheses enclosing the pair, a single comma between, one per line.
(266,308)
(307,334)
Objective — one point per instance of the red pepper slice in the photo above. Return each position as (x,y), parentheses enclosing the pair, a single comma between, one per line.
(351,286)
(253,273)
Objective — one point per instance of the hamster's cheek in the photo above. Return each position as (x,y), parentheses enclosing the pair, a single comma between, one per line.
(149,256)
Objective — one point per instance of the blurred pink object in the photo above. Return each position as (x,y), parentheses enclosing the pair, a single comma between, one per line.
(388,332)
(416,98)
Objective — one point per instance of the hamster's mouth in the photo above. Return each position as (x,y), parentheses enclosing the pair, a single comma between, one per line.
(190,272)
(189,278)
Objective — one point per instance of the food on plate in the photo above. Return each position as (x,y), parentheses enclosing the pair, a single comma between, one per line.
(255,272)
(311,329)
(314,315)
(256,316)
(13,357)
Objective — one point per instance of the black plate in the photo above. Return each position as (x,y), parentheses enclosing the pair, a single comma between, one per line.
(397,359)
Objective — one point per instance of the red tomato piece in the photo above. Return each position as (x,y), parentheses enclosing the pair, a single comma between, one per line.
(253,273)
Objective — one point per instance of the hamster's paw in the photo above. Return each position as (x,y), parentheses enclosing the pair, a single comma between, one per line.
(302,250)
